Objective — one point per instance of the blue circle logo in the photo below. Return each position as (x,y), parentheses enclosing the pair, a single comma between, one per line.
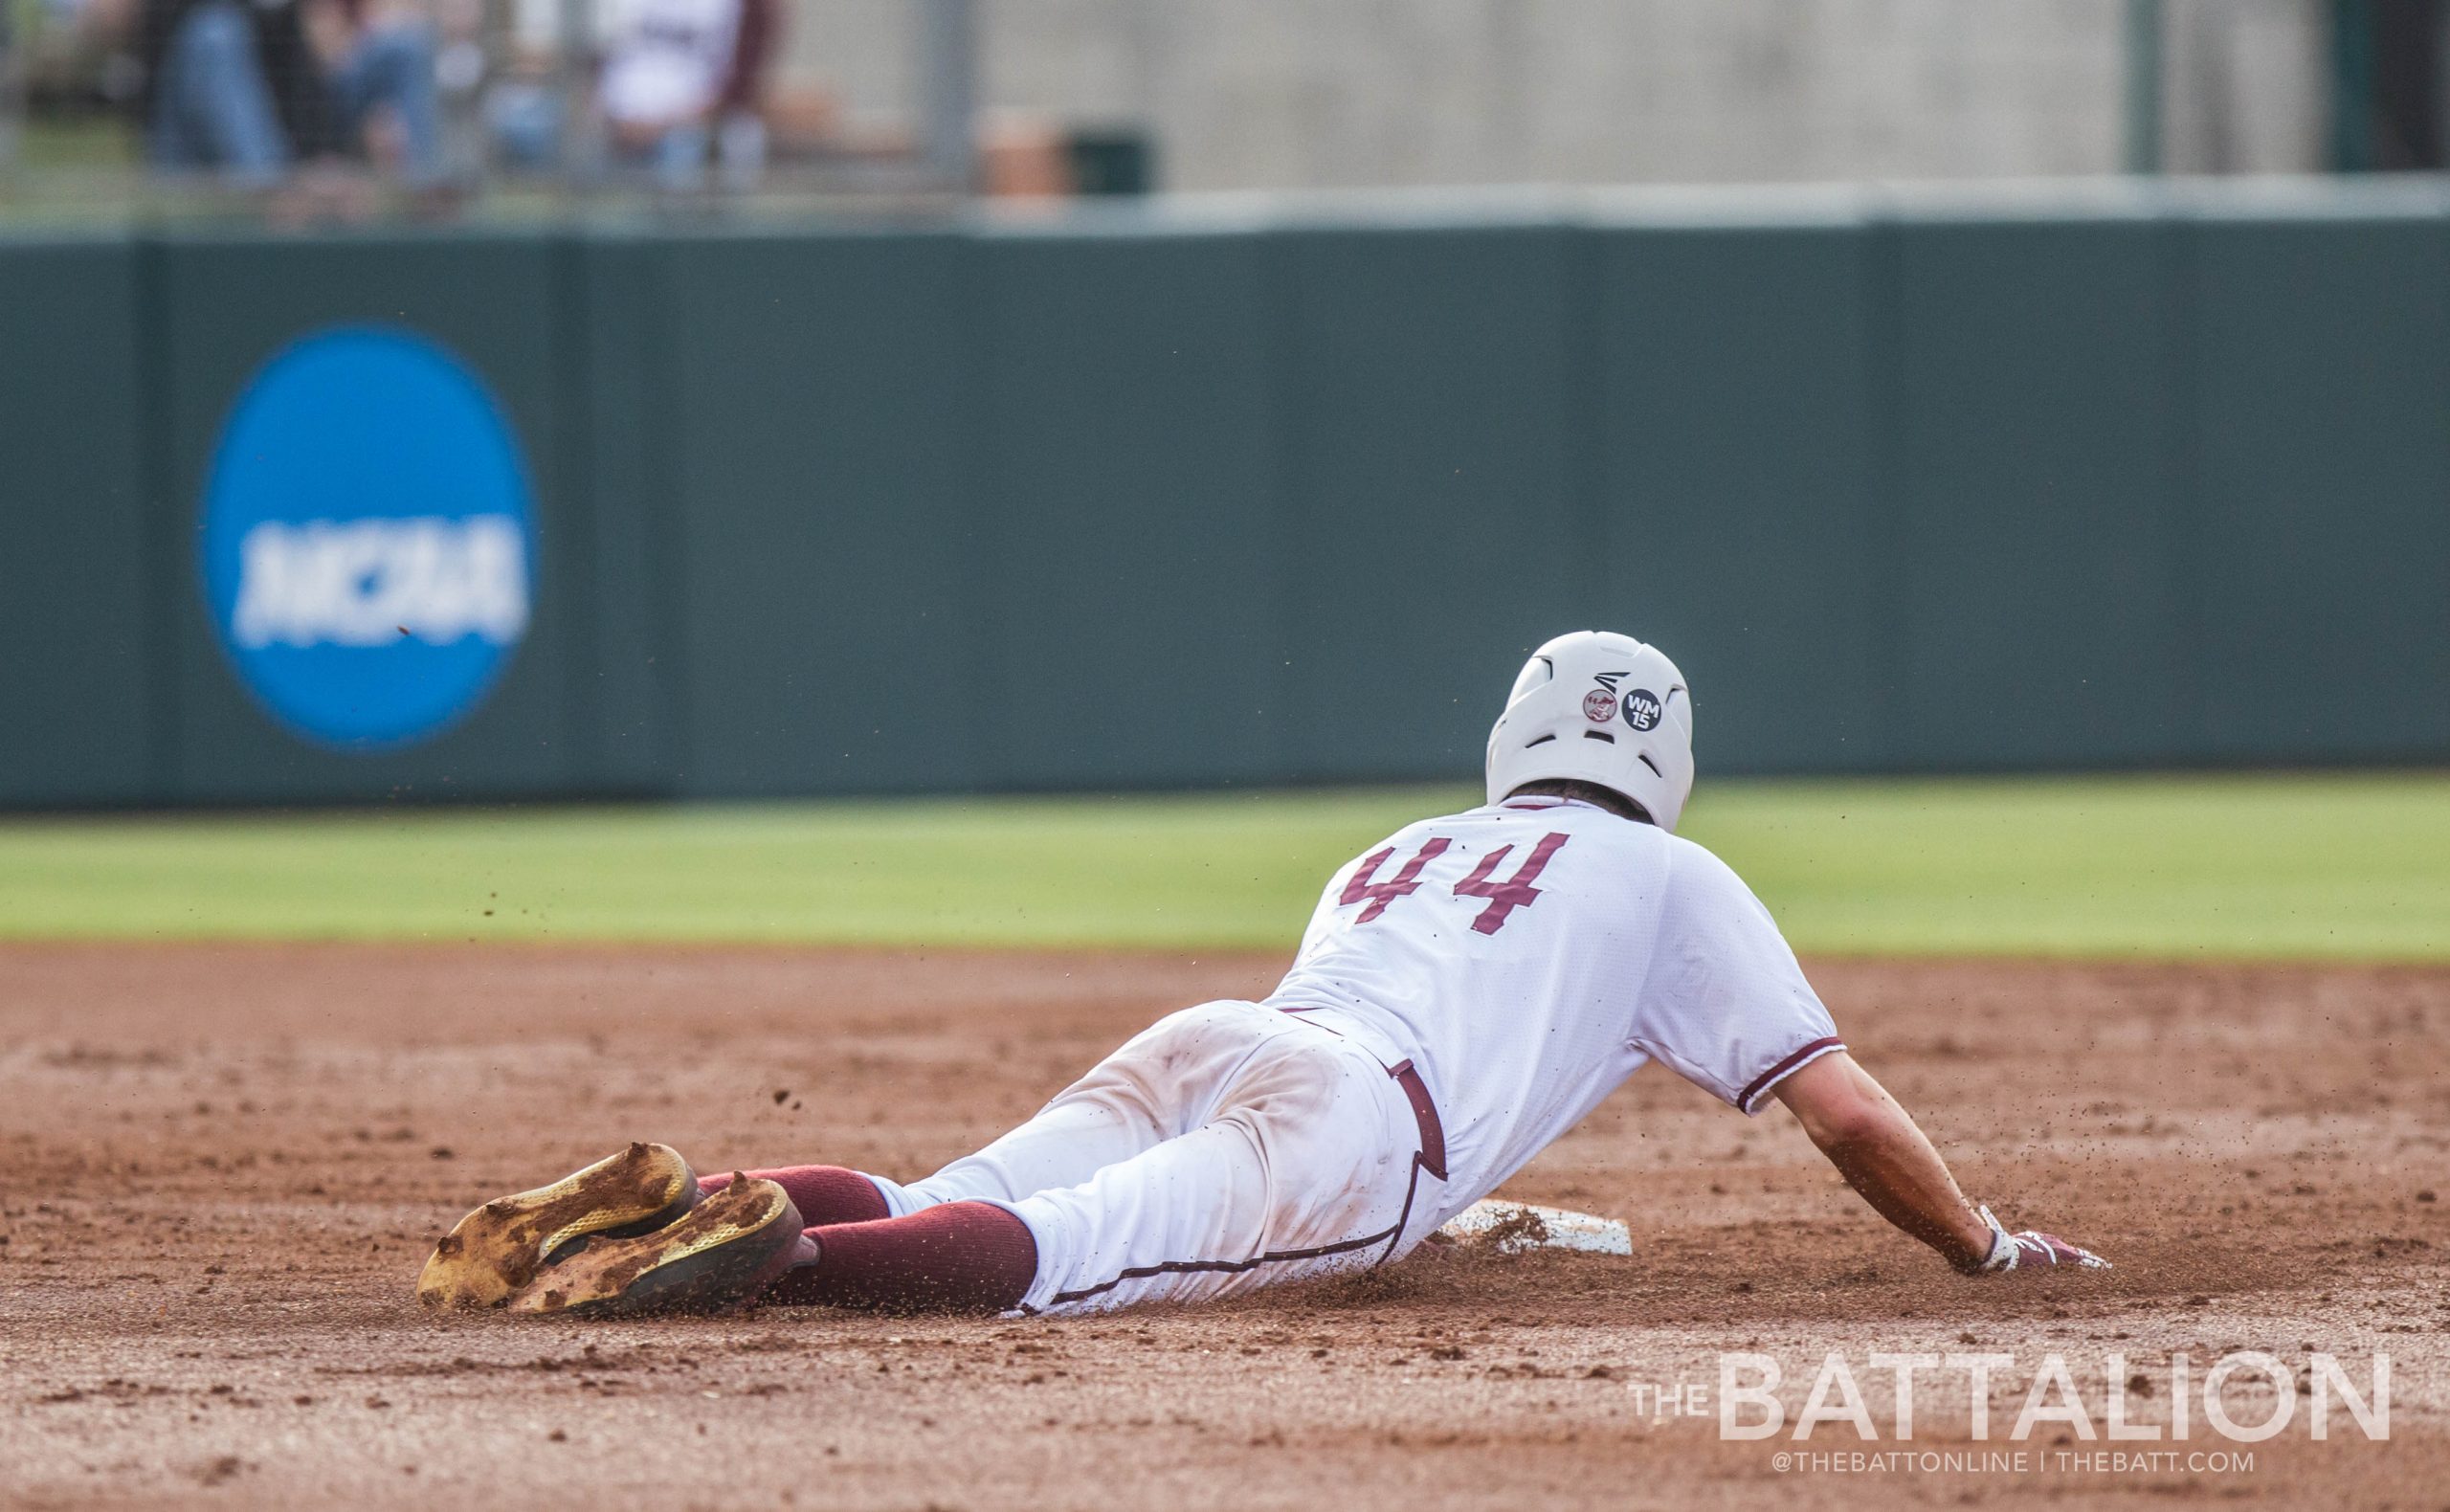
(368,539)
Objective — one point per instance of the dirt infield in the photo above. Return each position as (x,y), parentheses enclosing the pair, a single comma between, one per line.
(220,1168)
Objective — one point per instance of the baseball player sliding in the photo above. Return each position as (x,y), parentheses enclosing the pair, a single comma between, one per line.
(1466,991)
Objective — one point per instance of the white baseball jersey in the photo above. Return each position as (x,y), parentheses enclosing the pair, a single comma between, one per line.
(1523,959)
(1528,957)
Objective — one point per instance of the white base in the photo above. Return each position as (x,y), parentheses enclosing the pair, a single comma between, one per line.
(1511,1228)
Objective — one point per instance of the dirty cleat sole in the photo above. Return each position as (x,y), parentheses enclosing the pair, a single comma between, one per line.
(728,1249)
(499,1247)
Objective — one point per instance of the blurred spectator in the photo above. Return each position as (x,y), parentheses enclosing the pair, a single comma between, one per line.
(229,87)
(675,81)
(519,97)
(687,77)
(473,50)
(248,88)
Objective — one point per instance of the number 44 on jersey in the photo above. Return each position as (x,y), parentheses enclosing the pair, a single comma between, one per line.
(1503,896)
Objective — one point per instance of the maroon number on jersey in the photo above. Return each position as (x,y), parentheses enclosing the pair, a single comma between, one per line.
(1515,892)
(1364,882)
(1504,897)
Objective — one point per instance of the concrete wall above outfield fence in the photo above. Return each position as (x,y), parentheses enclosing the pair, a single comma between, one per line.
(1267,493)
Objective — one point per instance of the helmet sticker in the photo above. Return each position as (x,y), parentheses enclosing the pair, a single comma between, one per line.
(1642,708)
(1599,705)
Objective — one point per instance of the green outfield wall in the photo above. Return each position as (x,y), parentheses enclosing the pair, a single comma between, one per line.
(1160,499)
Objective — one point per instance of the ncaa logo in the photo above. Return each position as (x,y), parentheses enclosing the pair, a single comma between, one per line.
(1642,709)
(367,540)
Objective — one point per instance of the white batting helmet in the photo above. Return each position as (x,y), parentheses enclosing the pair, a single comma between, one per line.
(1603,708)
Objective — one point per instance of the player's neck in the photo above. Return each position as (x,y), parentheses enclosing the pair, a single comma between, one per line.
(1585,792)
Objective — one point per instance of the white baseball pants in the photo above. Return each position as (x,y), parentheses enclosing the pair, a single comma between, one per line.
(1226,1147)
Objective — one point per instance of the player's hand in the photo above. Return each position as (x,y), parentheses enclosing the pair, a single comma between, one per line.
(2030,1247)
(2033,1247)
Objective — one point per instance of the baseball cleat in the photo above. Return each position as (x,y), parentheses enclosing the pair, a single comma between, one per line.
(499,1247)
(728,1249)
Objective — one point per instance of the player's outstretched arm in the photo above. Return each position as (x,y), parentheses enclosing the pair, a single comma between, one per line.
(1882,1155)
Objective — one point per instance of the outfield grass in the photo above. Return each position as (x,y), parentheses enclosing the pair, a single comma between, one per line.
(2337,867)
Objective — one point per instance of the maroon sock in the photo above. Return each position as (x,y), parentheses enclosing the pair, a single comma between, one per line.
(963,1257)
(823,1193)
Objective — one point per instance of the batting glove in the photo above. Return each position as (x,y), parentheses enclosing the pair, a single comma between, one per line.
(2008,1251)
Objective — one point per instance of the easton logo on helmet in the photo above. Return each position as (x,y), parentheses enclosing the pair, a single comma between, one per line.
(1599,705)
(1642,709)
